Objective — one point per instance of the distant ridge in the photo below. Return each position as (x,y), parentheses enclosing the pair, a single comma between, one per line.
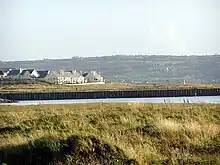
(137,68)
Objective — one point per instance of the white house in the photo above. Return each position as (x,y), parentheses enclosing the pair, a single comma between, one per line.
(33,72)
(49,76)
(92,77)
(14,73)
(5,71)
(25,74)
(70,77)
(65,77)
(77,77)
(22,73)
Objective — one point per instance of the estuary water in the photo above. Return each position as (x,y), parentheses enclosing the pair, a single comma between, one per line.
(197,99)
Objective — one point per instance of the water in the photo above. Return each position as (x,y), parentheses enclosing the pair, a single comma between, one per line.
(201,99)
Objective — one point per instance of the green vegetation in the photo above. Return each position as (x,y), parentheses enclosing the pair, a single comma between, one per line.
(132,133)
(139,68)
(44,87)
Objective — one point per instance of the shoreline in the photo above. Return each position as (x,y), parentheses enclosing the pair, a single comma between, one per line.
(7,101)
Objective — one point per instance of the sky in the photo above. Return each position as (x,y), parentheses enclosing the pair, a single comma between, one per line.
(38,29)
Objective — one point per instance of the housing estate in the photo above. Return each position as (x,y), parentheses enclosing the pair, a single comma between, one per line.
(55,77)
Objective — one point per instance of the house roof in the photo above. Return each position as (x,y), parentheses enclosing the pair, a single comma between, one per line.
(43,73)
(85,74)
(29,70)
(23,72)
(14,72)
(70,73)
(6,69)
(67,74)
(76,74)
(94,73)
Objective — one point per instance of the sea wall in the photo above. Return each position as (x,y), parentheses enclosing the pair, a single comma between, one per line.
(110,94)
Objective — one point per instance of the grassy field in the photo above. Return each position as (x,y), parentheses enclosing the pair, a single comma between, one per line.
(43,87)
(132,133)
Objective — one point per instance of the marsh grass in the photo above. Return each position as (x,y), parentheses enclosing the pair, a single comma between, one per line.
(45,87)
(136,133)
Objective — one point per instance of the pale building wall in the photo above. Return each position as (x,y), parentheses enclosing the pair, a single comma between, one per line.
(34,73)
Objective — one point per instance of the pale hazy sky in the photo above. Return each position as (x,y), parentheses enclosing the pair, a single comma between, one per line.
(37,29)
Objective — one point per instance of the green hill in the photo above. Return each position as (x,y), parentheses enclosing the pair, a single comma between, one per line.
(137,69)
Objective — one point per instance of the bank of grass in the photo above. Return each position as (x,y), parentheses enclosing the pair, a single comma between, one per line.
(129,133)
(45,87)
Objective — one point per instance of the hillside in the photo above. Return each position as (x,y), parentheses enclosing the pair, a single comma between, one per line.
(137,69)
